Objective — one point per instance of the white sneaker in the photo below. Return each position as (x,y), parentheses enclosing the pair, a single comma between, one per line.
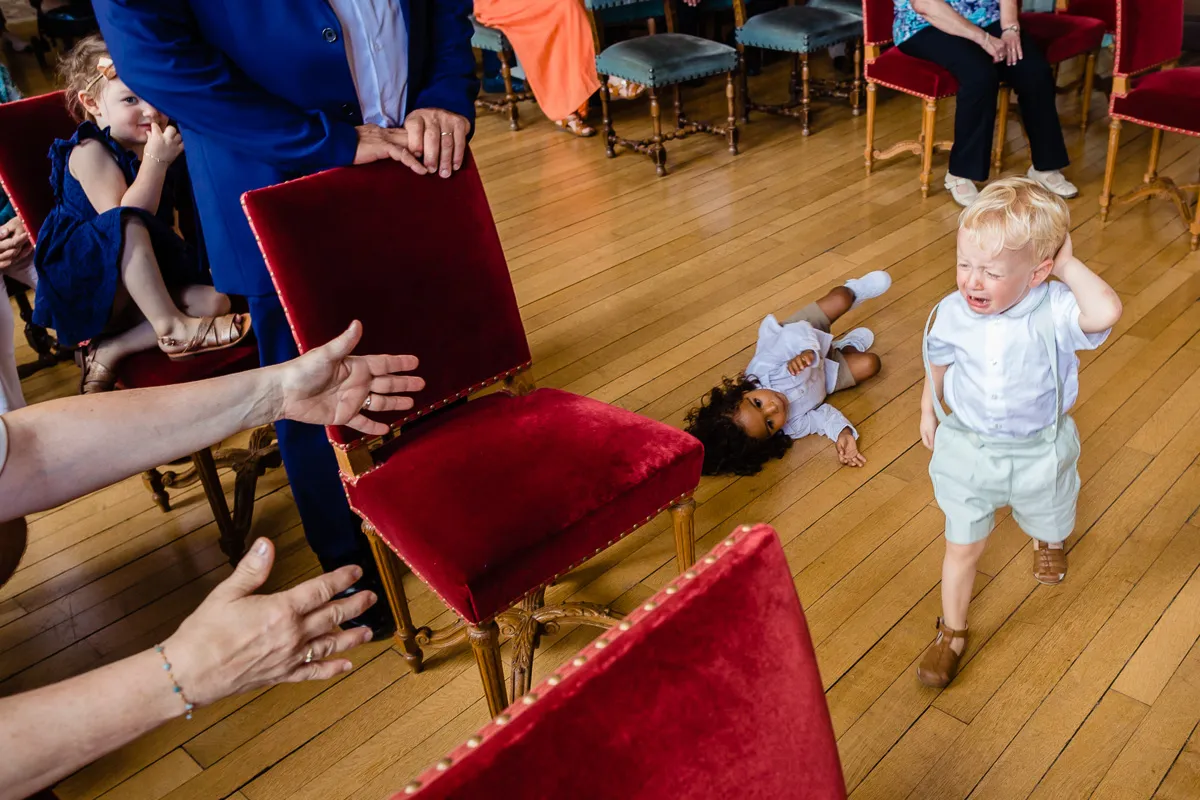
(859,339)
(1055,181)
(869,286)
(962,190)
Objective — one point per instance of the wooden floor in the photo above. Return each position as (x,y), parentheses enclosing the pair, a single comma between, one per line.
(644,292)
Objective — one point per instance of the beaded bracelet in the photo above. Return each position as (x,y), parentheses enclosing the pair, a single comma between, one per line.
(153,157)
(187,704)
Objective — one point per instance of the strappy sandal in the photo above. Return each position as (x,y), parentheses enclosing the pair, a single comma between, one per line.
(1049,563)
(623,89)
(575,126)
(94,377)
(213,334)
(939,665)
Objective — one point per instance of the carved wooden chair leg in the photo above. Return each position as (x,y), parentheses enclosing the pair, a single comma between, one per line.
(525,636)
(1110,167)
(684,522)
(745,83)
(510,97)
(485,642)
(928,122)
(610,136)
(856,91)
(1156,138)
(391,572)
(206,468)
(1085,101)
(1001,128)
(657,150)
(153,480)
(805,95)
(869,154)
(731,129)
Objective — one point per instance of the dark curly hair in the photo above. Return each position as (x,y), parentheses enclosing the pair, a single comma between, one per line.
(729,450)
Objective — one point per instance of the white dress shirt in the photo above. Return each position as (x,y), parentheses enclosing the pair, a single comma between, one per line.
(999,381)
(377,48)
(806,392)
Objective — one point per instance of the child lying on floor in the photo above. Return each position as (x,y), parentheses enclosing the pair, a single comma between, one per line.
(750,419)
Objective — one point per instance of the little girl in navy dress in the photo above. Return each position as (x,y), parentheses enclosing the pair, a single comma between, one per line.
(113,271)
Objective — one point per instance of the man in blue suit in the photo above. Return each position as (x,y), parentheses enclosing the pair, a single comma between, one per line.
(268,90)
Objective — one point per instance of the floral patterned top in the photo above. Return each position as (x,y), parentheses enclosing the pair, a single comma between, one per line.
(908,22)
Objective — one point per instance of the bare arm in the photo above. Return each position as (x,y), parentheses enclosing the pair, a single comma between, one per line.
(933,393)
(1099,305)
(65,448)
(104,183)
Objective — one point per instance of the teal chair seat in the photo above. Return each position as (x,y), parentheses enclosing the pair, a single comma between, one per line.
(666,59)
(485,38)
(852,7)
(799,29)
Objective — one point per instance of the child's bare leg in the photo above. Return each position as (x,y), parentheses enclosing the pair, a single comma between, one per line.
(836,303)
(199,300)
(958,580)
(111,349)
(862,365)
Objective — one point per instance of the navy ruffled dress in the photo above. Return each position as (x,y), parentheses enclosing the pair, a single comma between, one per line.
(78,255)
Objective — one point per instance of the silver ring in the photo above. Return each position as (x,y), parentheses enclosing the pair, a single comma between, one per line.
(308,657)
(366,406)
(446,133)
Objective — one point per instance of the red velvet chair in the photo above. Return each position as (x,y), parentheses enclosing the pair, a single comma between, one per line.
(488,501)
(1103,10)
(710,689)
(912,76)
(30,126)
(1148,90)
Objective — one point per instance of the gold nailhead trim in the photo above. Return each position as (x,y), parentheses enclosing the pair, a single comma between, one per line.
(580,661)
(444,764)
(529,699)
(601,644)
(412,788)
(745,529)
(624,626)
(474,742)
(503,719)
(554,680)
(672,589)
(710,559)
(650,606)
(691,573)
(729,542)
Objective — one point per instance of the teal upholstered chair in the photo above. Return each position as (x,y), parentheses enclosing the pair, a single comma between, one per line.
(658,61)
(485,38)
(801,30)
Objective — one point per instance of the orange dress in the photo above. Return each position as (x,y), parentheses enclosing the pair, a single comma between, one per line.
(553,43)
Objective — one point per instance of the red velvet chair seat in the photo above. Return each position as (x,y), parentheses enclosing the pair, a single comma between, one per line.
(1063,36)
(711,691)
(153,368)
(1103,10)
(904,73)
(503,493)
(1169,99)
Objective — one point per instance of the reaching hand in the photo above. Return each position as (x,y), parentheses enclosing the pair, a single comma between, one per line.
(802,362)
(847,449)
(376,144)
(993,47)
(14,243)
(929,426)
(328,386)
(237,641)
(163,145)
(439,138)
(1011,41)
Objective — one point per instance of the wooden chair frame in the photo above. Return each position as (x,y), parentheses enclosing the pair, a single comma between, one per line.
(509,105)
(525,622)
(49,352)
(802,89)
(654,146)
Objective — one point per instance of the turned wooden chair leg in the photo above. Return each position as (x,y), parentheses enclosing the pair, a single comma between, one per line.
(391,572)
(510,97)
(794,81)
(929,120)
(1001,128)
(153,480)
(485,642)
(657,150)
(869,154)
(610,136)
(1195,226)
(1085,101)
(745,78)
(856,91)
(525,643)
(805,95)
(1156,138)
(206,468)
(678,91)
(1110,167)
(684,521)
(731,131)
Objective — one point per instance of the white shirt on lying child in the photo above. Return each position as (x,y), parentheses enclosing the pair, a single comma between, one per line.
(806,392)
(999,381)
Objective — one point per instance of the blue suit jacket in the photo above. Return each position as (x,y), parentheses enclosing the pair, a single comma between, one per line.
(262,92)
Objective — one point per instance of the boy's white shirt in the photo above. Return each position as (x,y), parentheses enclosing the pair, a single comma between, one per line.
(999,381)
(808,412)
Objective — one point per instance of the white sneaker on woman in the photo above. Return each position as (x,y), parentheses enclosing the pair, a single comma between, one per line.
(1055,181)
(963,191)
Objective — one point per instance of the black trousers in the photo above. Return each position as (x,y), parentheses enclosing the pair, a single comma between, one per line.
(978,88)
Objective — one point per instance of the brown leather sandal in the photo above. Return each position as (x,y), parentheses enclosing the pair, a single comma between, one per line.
(1049,563)
(213,334)
(939,665)
(94,377)
(575,126)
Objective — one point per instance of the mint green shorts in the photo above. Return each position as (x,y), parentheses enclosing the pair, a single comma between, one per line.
(975,475)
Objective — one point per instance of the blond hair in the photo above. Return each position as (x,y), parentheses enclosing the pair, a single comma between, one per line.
(1016,212)
(79,71)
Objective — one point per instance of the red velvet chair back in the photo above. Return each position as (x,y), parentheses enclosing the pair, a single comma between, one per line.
(712,690)
(30,127)
(416,258)
(1149,33)
(878,16)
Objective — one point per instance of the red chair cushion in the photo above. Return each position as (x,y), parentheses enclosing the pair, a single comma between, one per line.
(500,495)
(153,368)
(1063,36)
(1103,10)
(1149,33)
(914,76)
(714,692)
(1169,99)
(30,127)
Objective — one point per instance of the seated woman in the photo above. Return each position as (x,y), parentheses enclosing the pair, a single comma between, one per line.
(981,44)
(553,43)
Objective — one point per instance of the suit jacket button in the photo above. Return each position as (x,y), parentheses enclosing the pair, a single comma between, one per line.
(330,35)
